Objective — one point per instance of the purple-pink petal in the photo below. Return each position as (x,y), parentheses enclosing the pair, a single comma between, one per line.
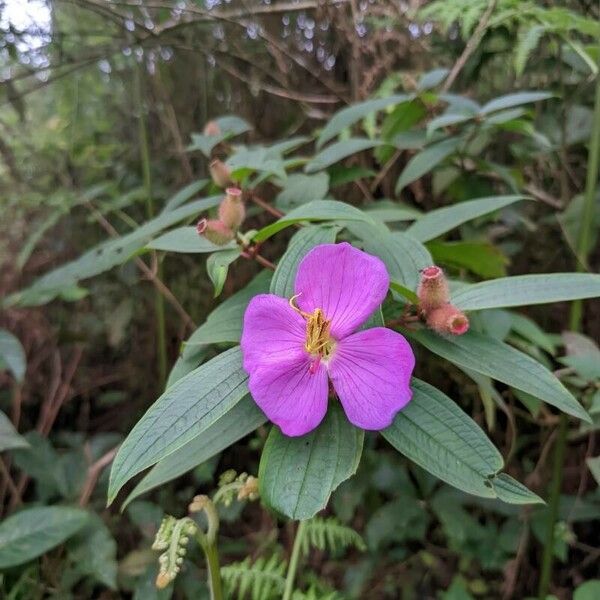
(346,283)
(273,332)
(371,371)
(280,380)
(291,395)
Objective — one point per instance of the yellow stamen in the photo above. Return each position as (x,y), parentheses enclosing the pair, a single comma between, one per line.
(318,338)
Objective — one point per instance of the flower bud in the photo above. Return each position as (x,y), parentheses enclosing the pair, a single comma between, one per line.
(215,231)
(433,291)
(220,173)
(448,319)
(231,210)
(212,128)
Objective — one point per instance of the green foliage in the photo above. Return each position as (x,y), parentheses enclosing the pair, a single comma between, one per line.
(329,535)
(298,474)
(261,579)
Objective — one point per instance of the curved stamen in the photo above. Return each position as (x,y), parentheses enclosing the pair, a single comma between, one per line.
(300,312)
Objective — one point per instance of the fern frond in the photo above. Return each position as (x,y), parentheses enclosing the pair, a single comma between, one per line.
(330,535)
(262,580)
(314,593)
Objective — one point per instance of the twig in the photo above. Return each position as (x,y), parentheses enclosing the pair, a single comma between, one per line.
(147,271)
(14,491)
(470,47)
(93,473)
(384,171)
(265,206)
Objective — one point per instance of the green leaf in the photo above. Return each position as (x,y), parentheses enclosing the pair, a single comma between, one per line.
(298,474)
(523,290)
(217,266)
(436,434)
(229,127)
(511,491)
(425,160)
(33,531)
(241,420)
(93,551)
(184,411)
(338,151)
(403,256)
(510,100)
(442,220)
(184,195)
(481,258)
(304,240)
(12,355)
(530,330)
(503,363)
(589,590)
(350,115)
(9,437)
(390,212)
(300,188)
(255,159)
(446,120)
(224,324)
(318,210)
(431,79)
(185,239)
(104,256)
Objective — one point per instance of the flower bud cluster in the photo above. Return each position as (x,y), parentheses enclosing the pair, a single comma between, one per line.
(435,306)
(231,216)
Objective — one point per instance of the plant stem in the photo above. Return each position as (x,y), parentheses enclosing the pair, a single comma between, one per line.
(293,566)
(587,217)
(587,221)
(557,471)
(159,303)
(214,571)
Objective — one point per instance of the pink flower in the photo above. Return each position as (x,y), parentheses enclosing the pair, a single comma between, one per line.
(293,347)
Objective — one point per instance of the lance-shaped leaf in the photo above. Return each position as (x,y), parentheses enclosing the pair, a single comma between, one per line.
(436,434)
(241,420)
(350,115)
(187,240)
(437,222)
(504,363)
(104,256)
(339,151)
(403,256)
(12,355)
(304,240)
(318,210)
(425,160)
(522,290)
(33,531)
(185,410)
(298,474)
(510,100)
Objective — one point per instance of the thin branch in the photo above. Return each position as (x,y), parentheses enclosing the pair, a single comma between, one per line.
(470,47)
(93,473)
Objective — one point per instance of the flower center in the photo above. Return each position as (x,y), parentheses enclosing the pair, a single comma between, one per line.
(318,342)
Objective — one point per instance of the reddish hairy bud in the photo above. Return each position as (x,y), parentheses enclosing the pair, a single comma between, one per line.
(212,128)
(231,210)
(214,231)
(448,319)
(433,291)
(220,173)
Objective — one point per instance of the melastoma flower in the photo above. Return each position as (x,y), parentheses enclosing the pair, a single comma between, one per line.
(293,347)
